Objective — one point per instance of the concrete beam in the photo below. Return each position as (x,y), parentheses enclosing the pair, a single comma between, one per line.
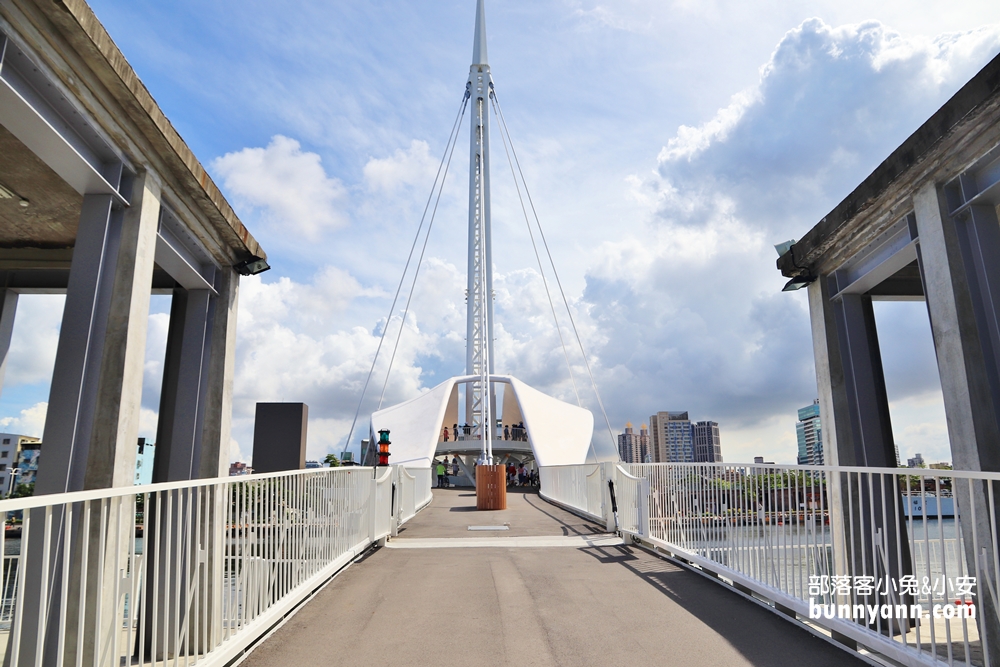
(79,49)
(56,280)
(962,109)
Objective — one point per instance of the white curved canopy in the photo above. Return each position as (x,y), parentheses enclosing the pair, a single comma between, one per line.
(559,433)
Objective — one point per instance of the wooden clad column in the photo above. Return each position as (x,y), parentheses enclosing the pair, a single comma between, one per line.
(491,488)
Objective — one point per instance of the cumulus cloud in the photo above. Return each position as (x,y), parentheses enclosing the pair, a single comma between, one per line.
(32,351)
(412,166)
(30,421)
(291,346)
(687,314)
(832,102)
(289,185)
(691,311)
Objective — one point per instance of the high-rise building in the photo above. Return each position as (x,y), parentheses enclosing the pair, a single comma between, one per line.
(671,437)
(27,462)
(707,446)
(810,436)
(11,445)
(916,462)
(634,447)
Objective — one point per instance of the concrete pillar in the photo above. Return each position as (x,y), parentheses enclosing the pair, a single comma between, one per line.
(119,393)
(958,263)
(221,367)
(92,423)
(857,431)
(864,382)
(838,445)
(871,430)
(178,433)
(75,377)
(193,437)
(8,308)
(216,426)
(177,458)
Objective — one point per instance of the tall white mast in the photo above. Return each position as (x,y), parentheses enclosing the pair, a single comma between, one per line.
(479,325)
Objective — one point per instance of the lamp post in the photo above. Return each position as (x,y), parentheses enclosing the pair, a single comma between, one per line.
(11,480)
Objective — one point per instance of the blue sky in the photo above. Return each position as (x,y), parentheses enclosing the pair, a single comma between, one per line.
(668,146)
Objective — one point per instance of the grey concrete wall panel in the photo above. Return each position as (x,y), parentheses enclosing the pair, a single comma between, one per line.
(279,437)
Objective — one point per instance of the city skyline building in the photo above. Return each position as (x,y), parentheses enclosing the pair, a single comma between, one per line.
(671,437)
(809,434)
(707,444)
(634,447)
(11,445)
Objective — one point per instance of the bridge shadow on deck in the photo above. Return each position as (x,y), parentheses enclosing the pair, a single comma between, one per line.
(757,634)
(511,605)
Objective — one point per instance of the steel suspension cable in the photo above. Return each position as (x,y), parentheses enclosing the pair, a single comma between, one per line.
(420,260)
(452,139)
(538,258)
(562,292)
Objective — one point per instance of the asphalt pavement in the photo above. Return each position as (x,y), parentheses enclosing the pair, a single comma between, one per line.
(551,589)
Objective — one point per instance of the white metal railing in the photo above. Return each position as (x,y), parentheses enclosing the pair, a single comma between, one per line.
(824,542)
(578,487)
(188,572)
(414,490)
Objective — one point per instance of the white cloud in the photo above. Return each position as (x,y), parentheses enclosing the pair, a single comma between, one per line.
(33,344)
(692,140)
(413,166)
(684,313)
(690,307)
(31,421)
(289,184)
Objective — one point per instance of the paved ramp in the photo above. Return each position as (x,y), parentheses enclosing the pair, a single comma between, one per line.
(551,589)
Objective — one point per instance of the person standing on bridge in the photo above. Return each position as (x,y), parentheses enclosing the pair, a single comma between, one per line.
(440,473)
(506,433)
(446,434)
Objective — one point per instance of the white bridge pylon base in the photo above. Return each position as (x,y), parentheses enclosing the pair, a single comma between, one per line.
(558,433)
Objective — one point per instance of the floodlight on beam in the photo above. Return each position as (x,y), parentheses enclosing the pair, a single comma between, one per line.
(798,283)
(252,266)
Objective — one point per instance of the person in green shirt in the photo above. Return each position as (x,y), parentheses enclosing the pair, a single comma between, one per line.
(440,474)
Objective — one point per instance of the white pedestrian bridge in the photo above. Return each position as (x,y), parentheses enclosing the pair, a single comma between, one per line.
(605,563)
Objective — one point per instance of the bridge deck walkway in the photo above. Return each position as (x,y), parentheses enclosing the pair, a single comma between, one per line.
(582,600)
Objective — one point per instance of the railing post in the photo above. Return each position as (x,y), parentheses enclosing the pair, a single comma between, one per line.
(397,513)
(373,506)
(608,474)
(643,507)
